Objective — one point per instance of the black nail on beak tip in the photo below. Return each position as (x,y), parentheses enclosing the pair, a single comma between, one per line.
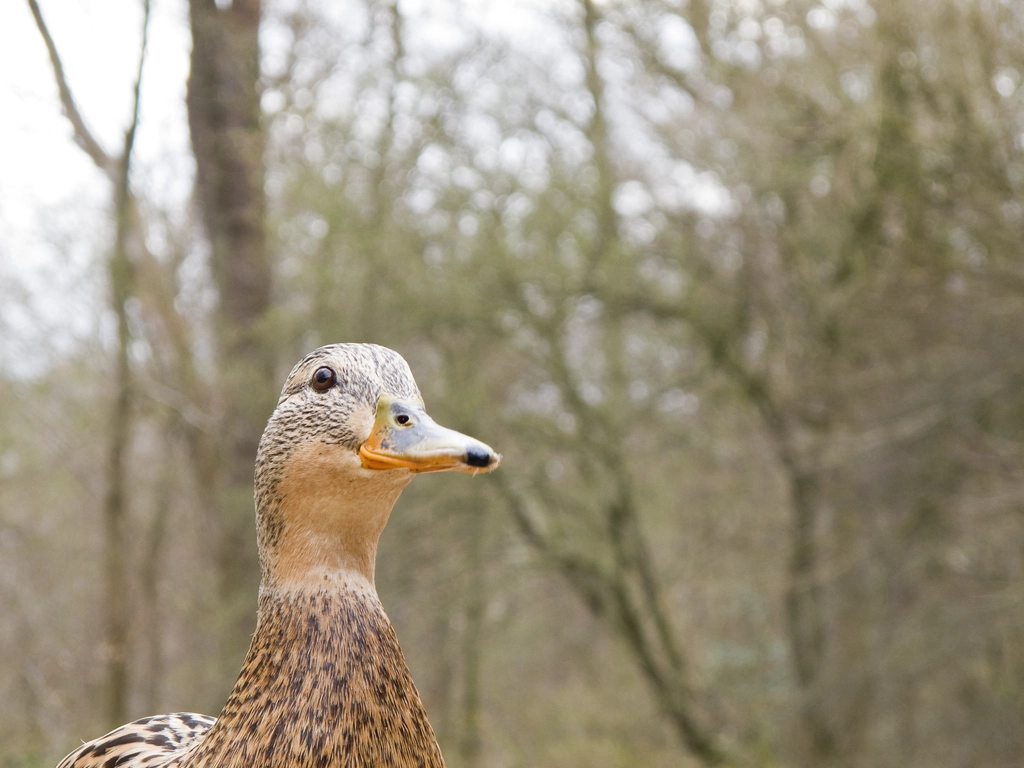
(477,458)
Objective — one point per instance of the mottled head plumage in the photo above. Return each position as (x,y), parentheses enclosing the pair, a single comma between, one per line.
(304,414)
(363,372)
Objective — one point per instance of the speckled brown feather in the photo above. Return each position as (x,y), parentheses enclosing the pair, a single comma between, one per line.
(346,698)
(325,683)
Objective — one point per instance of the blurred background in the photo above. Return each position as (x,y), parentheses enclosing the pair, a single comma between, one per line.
(735,286)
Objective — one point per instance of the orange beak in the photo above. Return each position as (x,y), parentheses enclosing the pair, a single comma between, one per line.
(405,437)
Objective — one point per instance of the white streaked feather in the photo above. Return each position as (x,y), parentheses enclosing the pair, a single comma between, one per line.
(145,742)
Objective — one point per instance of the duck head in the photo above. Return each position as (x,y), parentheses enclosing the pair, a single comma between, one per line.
(349,433)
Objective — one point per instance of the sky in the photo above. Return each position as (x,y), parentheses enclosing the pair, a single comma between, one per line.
(98,41)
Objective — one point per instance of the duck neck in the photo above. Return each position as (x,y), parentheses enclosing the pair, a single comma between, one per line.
(321,514)
(325,683)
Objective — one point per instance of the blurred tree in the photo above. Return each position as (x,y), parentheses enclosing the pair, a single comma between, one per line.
(121,283)
(855,256)
(120,268)
(228,141)
(735,288)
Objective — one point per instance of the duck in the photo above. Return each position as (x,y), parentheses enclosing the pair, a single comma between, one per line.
(325,683)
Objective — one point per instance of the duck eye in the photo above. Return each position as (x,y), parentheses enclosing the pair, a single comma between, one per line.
(402,418)
(323,379)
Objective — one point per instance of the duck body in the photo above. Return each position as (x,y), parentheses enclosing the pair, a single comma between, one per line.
(325,683)
(341,695)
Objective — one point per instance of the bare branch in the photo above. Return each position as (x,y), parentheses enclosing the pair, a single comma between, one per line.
(129,136)
(116,506)
(83,136)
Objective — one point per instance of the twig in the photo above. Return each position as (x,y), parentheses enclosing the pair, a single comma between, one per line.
(83,136)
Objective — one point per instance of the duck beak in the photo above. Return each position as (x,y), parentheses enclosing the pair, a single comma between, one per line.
(405,437)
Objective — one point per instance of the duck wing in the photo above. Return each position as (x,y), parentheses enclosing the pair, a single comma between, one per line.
(150,742)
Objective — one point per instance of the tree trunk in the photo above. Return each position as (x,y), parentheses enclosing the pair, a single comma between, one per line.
(115,631)
(228,140)
(115,639)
